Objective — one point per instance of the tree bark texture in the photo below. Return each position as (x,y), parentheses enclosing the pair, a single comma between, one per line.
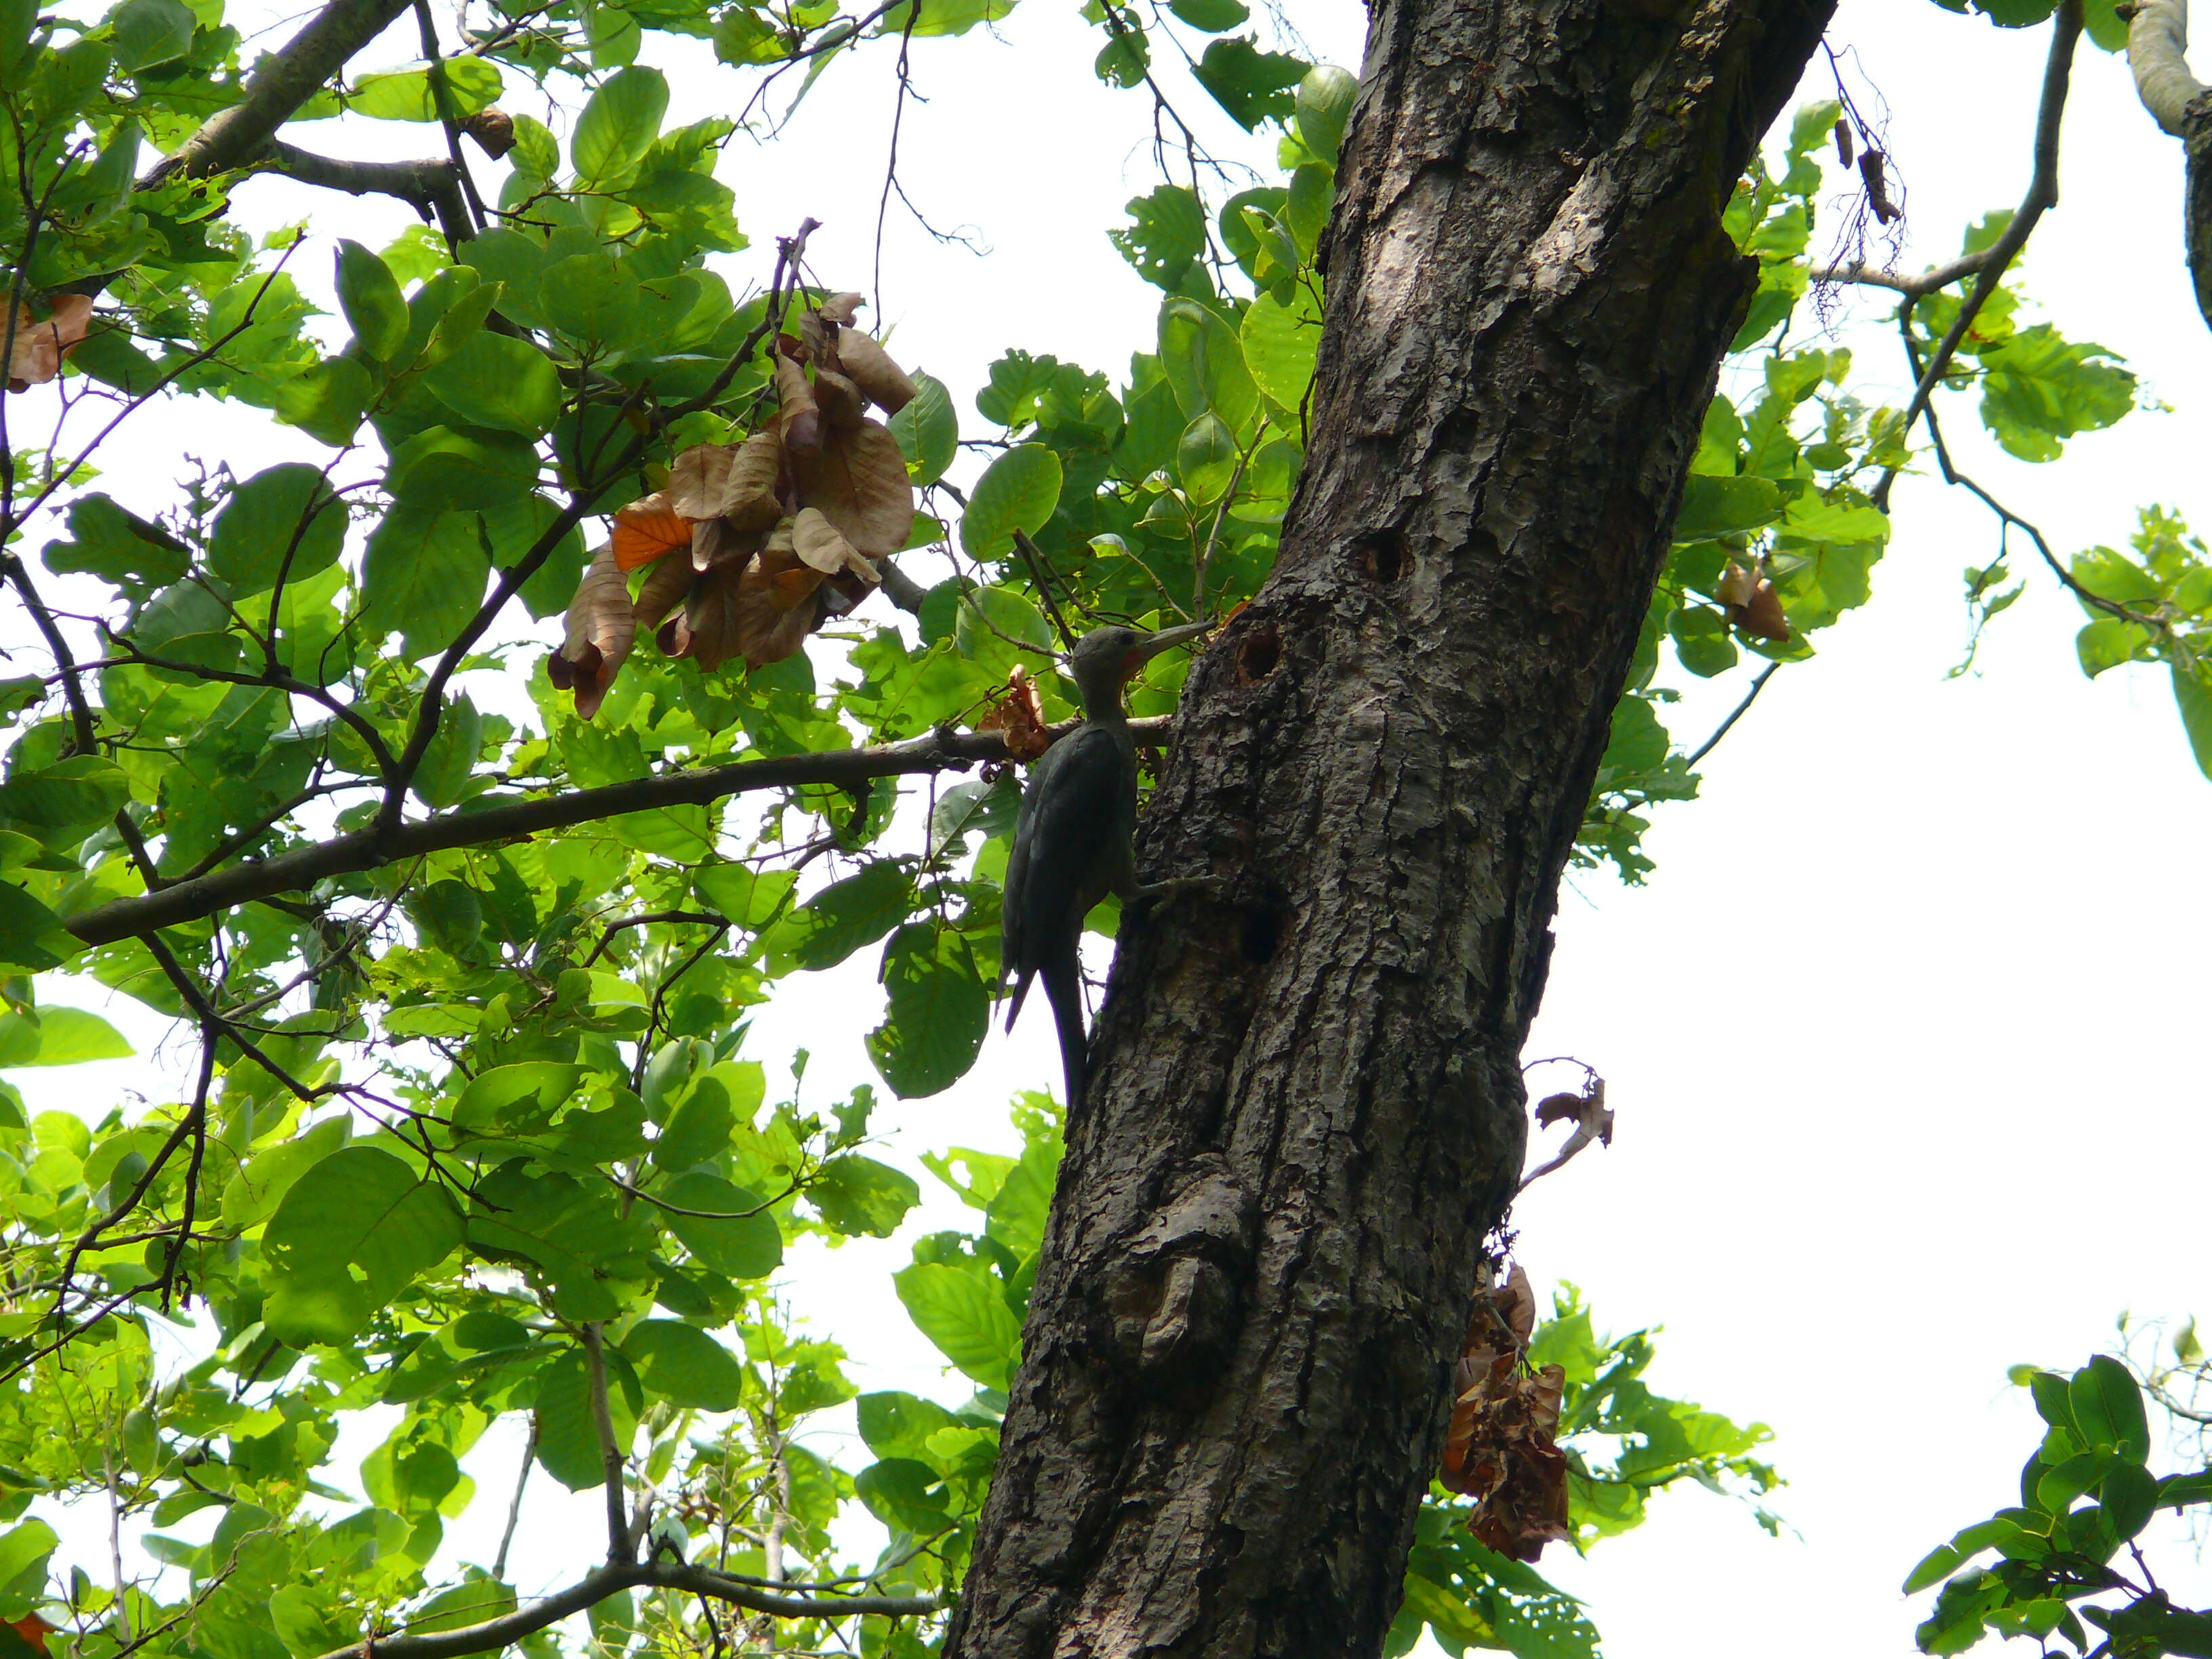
(1306,1110)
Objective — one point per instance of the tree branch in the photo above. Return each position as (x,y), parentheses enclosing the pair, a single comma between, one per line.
(612,1580)
(275,91)
(429,186)
(2157,52)
(2042,196)
(610,1451)
(1913,287)
(943,749)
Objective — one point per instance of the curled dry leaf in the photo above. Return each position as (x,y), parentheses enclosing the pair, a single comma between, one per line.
(839,399)
(842,309)
(40,347)
(648,529)
(1587,1112)
(819,546)
(663,588)
(1752,604)
(871,368)
(798,416)
(1020,716)
(858,481)
(700,479)
(1501,1447)
(750,493)
(602,628)
(493,129)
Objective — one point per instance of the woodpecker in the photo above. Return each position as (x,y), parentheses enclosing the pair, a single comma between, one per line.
(1075,836)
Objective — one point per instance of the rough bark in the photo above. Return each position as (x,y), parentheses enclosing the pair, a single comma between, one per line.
(1306,1109)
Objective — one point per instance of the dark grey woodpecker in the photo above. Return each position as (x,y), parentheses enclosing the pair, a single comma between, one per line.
(1075,837)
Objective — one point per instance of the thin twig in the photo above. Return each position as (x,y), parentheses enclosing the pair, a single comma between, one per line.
(1721,731)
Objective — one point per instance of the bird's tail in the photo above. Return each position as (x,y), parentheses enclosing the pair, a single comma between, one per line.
(1063,986)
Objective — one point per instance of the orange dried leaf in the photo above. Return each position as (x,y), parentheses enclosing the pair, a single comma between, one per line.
(602,628)
(858,481)
(647,529)
(871,368)
(40,347)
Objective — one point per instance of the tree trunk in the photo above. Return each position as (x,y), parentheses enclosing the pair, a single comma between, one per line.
(1306,1109)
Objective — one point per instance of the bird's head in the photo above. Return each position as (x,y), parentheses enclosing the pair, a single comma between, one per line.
(1107,659)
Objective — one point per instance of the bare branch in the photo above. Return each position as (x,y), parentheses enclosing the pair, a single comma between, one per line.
(943,749)
(611,1452)
(430,186)
(277,89)
(612,1580)
(1916,287)
(2157,52)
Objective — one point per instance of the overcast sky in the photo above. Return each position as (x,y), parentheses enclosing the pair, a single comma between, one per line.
(1905,1034)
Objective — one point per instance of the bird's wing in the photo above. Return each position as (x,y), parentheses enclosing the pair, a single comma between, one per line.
(1063,853)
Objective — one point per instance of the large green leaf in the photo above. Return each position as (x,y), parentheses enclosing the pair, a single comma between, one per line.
(618,126)
(286,520)
(938,1012)
(960,1308)
(683,1365)
(1018,491)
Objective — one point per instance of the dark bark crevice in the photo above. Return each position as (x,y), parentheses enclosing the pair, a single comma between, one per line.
(1219,1438)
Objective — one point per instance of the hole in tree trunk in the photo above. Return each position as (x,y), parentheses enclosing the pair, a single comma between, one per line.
(1383,556)
(1260,654)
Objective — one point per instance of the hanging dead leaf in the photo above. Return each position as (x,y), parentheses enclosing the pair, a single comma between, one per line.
(818,545)
(1500,1446)
(716,541)
(1763,618)
(752,492)
(648,529)
(1736,585)
(662,589)
(1020,716)
(798,417)
(493,129)
(842,309)
(698,481)
(871,368)
(858,481)
(602,628)
(839,400)
(41,347)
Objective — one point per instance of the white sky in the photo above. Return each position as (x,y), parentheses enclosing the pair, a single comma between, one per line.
(1902,1035)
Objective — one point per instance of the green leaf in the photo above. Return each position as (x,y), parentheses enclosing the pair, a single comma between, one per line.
(960,1308)
(63,1036)
(1210,16)
(1252,85)
(732,1231)
(422,577)
(990,616)
(1205,363)
(843,916)
(358,1208)
(894,1424)
(618,126)
(683,1365)
(1206,458)
(369,295)
(1280,343)
(2194,698)
(858,1196)
(1167,238)
(60,805)
(442,468)
(518,1099)
(284,519)
(449,762)
(328,401)
(1716,507)
(1323,106)
(903,1494)
(2109,641)
(2108,1408)
(699,1128)
(1018,491)
(119,547)
(498,381)
(940,1010)
(928,431)
(568,1434)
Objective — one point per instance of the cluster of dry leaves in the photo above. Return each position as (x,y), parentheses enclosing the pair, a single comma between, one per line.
(1018,713)
(752,546)
(35,356)
(1752,604)
(1501,1449)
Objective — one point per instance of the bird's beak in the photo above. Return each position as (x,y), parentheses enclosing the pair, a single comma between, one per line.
(1167,639)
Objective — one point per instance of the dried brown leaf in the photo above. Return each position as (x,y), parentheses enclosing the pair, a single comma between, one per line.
(819,545)
(601,630)
(493,128)
(798,418)
(662,589)
(839,399)
(1762,616)
(750,493)
(40,347)
(1020,715)
(699,480)
(841,308)
(858,481)
(1736,586)
(871,368)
